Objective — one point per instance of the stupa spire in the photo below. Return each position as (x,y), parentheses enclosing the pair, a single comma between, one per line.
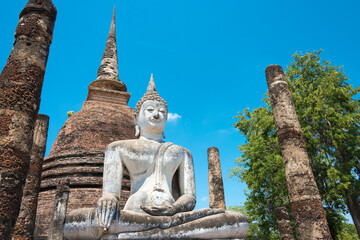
(108,73)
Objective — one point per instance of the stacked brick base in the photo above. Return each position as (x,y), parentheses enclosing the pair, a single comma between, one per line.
(78,154)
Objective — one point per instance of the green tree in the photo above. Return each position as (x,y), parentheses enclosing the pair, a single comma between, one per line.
(348,232)
(255,231)
(261,167)
(330,118)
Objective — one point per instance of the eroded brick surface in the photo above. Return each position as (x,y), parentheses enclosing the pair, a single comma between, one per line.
(306,205)
(25,223)
(21,83)
(283,222)
(216,187)
(59,210)
(78,154)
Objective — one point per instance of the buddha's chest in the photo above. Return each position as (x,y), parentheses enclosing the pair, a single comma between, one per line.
(151,160)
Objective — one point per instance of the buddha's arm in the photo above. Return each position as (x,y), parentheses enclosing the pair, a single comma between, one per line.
(107,206)
(187,200)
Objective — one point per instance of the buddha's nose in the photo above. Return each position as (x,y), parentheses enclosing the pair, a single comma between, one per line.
(156,116)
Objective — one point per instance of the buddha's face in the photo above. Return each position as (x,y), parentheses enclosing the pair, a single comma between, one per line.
(152,117)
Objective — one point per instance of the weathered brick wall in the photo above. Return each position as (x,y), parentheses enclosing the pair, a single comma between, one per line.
(78,153)
(60,205)
(25,223)
(216,186)
(306,204)
(43,214)
(21,82)
(93,128)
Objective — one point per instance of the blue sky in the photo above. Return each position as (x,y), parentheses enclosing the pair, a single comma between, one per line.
(208,59)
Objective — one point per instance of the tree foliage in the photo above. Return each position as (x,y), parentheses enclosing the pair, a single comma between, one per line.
(329,115)
(348,232)
(70,113)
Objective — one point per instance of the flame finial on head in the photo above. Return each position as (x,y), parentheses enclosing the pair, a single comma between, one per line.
(151,94)
(151,86)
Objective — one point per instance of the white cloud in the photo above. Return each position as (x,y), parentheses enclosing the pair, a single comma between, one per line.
(228,131)
(173,117)
(203,199)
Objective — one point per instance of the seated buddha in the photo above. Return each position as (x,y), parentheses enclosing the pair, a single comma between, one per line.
(154,209)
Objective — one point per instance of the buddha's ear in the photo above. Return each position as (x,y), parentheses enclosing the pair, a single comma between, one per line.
(163,135)
(137,130)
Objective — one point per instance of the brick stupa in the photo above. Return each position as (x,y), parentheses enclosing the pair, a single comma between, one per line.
(78,151)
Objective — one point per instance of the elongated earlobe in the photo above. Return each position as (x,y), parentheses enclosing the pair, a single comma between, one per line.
(137,130)
(163,134)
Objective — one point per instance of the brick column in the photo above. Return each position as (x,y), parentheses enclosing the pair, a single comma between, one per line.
(283,222)
(309,215)
(59,212)
(25,224)
(216,187)
(21,82)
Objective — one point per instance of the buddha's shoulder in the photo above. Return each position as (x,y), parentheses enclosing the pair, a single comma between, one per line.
(140,145)
(123,143)
(179,149)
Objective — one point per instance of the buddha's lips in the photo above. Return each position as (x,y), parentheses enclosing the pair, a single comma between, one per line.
(155,120)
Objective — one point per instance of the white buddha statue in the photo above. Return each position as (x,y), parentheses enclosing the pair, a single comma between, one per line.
(154,210)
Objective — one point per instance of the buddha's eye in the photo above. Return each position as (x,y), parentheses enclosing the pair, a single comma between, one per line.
(150,109)
(162,110)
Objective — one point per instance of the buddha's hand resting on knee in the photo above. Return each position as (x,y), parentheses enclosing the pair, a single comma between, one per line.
(107,206)
(165,210)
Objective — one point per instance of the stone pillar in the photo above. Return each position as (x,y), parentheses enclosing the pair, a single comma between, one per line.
(306,205)
(216,187)
(21,82)
(25,224)
(283,222)
(59,213)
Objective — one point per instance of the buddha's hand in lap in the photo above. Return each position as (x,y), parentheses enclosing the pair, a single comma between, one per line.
(107,206)
(165,210)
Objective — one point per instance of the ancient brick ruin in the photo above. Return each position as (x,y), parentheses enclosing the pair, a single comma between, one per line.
(78,150)
(306,204)
(216,186)
(77,155)
(25,223)
(76,159)
(21,82)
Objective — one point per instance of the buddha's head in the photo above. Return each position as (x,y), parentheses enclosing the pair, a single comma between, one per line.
(151,112)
